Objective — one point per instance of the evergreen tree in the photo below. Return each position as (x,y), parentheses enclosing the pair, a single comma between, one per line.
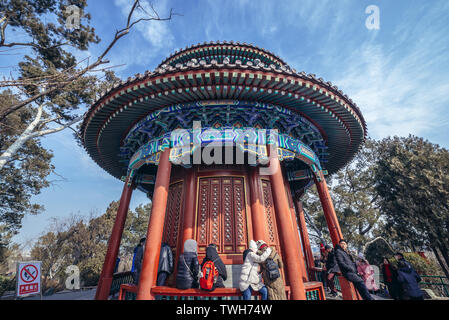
(412,181)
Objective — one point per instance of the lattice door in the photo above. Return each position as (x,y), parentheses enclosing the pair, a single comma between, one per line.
(172,215)
(270,215)
(221,216)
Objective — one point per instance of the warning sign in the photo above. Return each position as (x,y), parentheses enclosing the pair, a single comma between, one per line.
(29,278)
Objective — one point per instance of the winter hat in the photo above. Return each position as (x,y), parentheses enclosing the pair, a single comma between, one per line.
(190,246)
(253,245)
(261,244)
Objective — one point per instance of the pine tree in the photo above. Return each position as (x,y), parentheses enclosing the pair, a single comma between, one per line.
(412,180)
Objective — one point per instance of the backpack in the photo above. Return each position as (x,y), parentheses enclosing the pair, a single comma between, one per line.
(209,276)
(272,269)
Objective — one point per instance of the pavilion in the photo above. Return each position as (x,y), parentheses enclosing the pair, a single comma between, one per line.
(225,138)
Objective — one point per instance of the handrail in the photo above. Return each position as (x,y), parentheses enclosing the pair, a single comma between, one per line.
(314,291)
(118,279)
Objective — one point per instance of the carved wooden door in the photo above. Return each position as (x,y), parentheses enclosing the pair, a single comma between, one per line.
(273,239)
(221,215)
(173,214)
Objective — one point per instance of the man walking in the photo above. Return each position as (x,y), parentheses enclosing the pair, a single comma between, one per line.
(349,269)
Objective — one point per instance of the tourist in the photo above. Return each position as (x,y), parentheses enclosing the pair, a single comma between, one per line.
(117,262)
(165,264)
(331,270)
(408,279)
(250,279)
(349,269)
(366,271)
(137,260)
(323,259)
(318,261)
(275,287)
(188,266)
(390,276)
(400,257)
(212,255)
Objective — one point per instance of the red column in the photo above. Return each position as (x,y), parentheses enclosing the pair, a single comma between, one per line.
(189,211)
(304,236)
(104,284)
(329,211)
(258,217)
(286,230)
(150,262)
(347,289)
(295,228)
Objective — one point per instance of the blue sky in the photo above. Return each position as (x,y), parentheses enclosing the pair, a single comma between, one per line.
(398,75)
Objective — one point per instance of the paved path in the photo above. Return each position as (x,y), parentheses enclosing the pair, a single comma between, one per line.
(68,295)
(339,297)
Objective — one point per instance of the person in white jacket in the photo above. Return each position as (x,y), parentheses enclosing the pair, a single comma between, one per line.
(250,278)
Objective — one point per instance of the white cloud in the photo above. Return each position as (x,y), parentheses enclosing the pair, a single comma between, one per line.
(400,84)
(397,97)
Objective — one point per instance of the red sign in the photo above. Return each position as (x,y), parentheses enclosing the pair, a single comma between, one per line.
(29,288)
(29,273)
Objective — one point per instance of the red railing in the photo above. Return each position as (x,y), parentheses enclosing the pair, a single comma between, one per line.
(314,290)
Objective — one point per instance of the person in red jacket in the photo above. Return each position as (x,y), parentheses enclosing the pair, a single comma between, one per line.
(390,276)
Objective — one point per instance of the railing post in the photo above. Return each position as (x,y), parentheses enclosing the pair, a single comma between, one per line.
(444,286)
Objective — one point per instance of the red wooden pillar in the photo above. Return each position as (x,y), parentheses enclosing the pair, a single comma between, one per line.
(329,211)
(295,228)
(104,284)
(347,288)
(189,209)
(258,217)
(150,262)
(286,229)
(305,237)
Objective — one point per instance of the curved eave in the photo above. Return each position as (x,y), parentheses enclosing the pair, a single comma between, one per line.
(108,121)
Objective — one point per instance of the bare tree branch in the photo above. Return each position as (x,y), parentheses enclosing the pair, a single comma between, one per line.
(99,61)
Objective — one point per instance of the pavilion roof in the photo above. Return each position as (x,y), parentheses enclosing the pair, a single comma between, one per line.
(108,121)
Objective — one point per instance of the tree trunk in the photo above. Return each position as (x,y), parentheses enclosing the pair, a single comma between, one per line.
(28,134)
(441,262)
(443,250)
(24,137)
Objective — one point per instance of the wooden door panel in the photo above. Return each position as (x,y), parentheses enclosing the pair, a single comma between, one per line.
(173,214)
(221,214)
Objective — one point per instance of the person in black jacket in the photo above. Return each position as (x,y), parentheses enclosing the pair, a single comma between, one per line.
(331,269)
(165,264)
(349,269)
(188,266)
(212,255)
(408,279)
(138,259)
